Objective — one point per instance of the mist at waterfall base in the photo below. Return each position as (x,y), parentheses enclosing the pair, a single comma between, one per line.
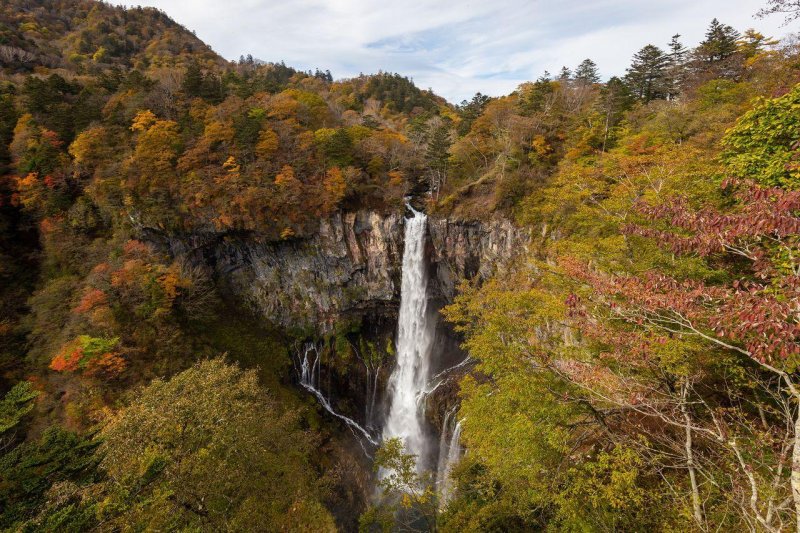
(411,381)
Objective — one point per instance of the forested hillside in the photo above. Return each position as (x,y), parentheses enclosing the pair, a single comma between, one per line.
(636,364)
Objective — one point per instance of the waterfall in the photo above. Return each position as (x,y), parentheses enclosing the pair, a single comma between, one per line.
(308,373)
(414,340)
(453,455)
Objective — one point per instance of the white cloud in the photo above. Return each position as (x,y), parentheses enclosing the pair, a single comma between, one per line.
(455,47)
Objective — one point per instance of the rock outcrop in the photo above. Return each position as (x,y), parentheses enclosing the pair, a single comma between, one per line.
(350,267)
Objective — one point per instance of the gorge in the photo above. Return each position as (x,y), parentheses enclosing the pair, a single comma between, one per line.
(242,296)
(370,283)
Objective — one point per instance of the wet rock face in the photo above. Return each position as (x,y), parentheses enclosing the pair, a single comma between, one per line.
(351,267)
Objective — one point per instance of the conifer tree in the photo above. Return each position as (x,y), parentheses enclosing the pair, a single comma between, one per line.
(646,77)
(719,44)
(587,72)
(676,68)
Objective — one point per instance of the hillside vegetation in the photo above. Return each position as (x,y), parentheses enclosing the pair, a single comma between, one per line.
(637,366)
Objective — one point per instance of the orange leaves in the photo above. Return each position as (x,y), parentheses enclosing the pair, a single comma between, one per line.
(28,182)
(231,165)
(109,364)
(334,187)
(286,178)
(51,138)
(91,300)
(396,178)
(93,356)
(267,143)
(68,358)
(136,249)
(171,282)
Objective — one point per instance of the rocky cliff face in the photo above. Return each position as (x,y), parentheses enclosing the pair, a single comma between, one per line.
(348,272)
(350,268)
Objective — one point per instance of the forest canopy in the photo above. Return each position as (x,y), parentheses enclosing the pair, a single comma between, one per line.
(635,368)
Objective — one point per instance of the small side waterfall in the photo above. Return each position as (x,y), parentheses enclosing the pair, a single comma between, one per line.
(451,457)
(414,339)
(441,466)
(309,379)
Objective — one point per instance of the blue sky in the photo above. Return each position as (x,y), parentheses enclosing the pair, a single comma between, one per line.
(456,47)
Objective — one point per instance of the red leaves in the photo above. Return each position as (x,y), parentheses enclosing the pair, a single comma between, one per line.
(68,358)
(761,212)
(760,314)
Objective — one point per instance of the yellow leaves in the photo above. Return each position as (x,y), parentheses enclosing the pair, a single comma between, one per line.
(335,187)
(99,54)
(143,120)
(540,145)
(396,178)
(218,132)
(287,233)
(156,150)
(324,135)
(406,502)
(90,147)
(24,136)
(231,165)
(359,132)
(283,106)
(267,143)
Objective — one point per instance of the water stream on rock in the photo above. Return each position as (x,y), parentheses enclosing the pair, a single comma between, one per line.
(309,379)
(448,457)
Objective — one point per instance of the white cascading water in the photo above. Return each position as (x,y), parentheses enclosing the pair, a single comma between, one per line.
(414,339)
(453,455)
(443,447)
(309,379)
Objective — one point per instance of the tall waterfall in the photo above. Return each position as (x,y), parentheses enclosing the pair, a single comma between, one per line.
(414,340)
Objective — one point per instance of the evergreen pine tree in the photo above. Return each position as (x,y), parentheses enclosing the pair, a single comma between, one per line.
(676,67)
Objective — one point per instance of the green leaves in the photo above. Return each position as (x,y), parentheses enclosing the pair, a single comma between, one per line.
(763,145)
(16,404)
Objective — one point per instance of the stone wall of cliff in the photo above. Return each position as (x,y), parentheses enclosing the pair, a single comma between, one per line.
(351,266)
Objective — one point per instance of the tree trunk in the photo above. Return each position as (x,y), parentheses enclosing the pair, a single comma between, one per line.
(795,479)
(697,509)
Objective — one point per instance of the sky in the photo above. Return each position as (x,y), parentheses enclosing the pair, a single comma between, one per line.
(456,47)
